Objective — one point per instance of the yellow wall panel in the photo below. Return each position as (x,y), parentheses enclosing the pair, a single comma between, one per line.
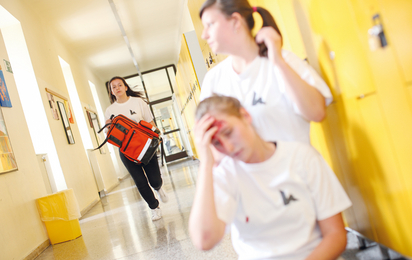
(397,20)
(333,19)
(376,128)
(358,217)
(284,14)
(396,107)
(185,79)
(383,181)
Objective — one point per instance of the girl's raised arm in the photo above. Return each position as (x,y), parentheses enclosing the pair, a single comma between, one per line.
(308,99)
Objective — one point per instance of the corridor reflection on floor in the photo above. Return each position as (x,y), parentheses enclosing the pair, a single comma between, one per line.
(120,225)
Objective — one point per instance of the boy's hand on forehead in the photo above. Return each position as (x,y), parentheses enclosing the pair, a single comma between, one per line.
(204,130)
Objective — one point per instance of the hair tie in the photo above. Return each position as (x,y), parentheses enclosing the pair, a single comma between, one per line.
(254,9)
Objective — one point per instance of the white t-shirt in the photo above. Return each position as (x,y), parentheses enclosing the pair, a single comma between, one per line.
(273,206)
(135,108)
(261,90)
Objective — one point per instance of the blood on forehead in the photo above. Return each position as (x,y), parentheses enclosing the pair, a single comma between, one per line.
(219,124)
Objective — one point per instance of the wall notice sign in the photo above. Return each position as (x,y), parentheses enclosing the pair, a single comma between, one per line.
(8,66)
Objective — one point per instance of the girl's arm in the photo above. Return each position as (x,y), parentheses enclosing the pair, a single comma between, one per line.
(153,123)
(334,239)
(308,99)
(206,230)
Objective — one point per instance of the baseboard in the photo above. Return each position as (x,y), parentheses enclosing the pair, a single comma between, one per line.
(36,252)
(91,205)
(124,177)
(112,187)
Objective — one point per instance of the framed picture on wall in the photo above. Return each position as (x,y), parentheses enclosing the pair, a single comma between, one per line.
(7,159)
(52,105)
(66,123)
(95,125)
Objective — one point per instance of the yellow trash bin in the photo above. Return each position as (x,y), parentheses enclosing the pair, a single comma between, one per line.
(60,213)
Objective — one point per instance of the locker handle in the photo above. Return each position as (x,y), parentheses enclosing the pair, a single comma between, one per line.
(361,96)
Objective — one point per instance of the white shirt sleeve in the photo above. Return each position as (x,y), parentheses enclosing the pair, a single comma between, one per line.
(107,113)
(308,74)
(328,194)
(146,113)
(207,86)
(225,195)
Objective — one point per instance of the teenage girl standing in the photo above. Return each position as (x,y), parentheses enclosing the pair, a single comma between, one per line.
(130,104)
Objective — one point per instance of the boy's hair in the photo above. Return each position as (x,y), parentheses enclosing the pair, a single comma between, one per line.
(222,104)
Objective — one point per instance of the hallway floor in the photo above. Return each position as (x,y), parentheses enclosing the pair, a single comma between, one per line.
(120,225)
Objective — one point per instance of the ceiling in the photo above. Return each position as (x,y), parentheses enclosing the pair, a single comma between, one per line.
(91,31)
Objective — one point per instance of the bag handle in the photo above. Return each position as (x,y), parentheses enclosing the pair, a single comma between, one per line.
(107,139)
(106,125)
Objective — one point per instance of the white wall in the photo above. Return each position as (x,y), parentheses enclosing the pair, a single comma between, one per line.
(21,229)
(18,189)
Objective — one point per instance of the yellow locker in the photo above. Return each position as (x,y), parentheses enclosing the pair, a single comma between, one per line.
(358,217)
(379,171)
(397,15)
(375,112)
(332,19)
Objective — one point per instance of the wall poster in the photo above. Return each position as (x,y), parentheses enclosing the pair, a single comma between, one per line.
(4,93)
(7,160)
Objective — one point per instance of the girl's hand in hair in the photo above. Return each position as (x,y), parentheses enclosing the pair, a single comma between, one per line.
(273,42)
(203,137)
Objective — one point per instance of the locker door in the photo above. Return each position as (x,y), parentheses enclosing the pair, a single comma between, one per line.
(333,20)
(378,171)
(377,113)
(399,32)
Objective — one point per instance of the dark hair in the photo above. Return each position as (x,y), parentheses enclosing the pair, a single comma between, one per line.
(228,7)
(216,103)
(129,91)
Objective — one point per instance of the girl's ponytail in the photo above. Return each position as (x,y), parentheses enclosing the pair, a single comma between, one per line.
(267,21)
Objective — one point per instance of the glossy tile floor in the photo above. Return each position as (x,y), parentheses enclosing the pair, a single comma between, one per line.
(120,226)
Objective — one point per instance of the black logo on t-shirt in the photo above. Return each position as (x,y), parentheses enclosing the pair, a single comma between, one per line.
(132,112)
(257,101)
(287,200)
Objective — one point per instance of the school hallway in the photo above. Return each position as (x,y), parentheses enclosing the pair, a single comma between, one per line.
(120,226)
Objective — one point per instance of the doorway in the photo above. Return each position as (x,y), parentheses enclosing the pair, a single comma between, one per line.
(157,86)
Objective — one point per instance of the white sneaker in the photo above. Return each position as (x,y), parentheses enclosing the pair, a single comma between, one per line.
(162,195)
(156,214)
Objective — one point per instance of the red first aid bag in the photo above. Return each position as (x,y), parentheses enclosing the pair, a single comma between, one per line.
(137,141)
